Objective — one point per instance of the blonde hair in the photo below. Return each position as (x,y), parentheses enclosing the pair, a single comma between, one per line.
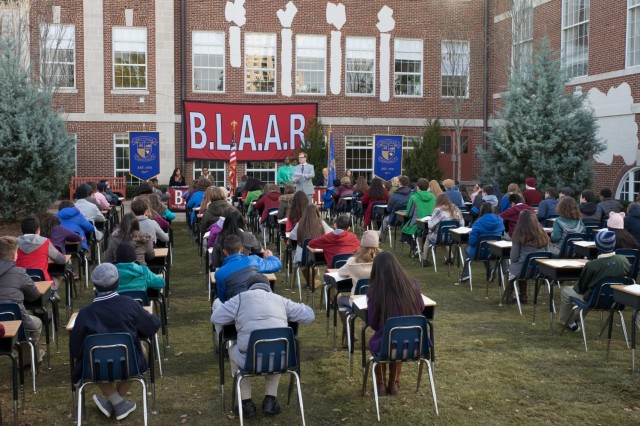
(513,188)
(8,247)
(434,187)
(366,254)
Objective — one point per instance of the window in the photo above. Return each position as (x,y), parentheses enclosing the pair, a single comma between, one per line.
(629,186)
(445,144)
(121,157)
(263,170)
(455,69)
(575,37)
(633,33)
(407,67)
(311,52)
(361,66)
(217,169)
(359,155)
(58,55)
(129,58)
(522,34)
(260,63)
(208,61)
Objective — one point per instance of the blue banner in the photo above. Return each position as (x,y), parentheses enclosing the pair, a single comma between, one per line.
(144,154)
(331,165)
(387,156)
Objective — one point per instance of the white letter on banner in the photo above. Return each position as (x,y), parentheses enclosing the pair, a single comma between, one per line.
(293,130)
(245,138)
(220,145)
(177,200)
(197,130)
(273,134)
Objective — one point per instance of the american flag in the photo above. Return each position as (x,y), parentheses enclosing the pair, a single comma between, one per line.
(232,162)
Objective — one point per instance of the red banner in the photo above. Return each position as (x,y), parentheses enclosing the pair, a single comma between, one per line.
(264,132)
(176,202)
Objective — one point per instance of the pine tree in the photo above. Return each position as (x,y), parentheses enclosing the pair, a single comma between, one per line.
(422,160)
(315,147)
(545,131)
(36,152)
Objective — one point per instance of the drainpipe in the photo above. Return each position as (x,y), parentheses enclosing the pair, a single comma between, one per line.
(183,77)
(485,79)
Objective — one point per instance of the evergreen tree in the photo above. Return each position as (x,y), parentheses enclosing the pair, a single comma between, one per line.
(315,147)
(36,152)
(422,160)
(545,131)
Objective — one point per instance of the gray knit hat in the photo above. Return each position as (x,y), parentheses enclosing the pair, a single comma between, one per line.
(105,277)
(606,241)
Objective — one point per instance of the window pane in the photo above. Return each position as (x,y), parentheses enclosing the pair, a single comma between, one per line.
(57,65)
(360,65)
(130,58)
(217,169)
(208,61)
(575,37)
(408,67)
(310,64)
(455,68)
(260,63)
(263,170)
(359,155)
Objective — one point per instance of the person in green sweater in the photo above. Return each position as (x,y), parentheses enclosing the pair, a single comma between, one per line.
(285,173)
(132,275)
(254,191)
(421,203)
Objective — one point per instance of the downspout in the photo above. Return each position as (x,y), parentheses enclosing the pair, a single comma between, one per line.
(183,78)
(485,79)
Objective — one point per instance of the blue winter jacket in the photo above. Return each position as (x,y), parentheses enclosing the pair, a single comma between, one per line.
(72,219)
(455,196)
(231,277)
(546,208)
(488,224)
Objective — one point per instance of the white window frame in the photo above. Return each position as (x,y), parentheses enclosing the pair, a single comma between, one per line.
(207,43)
(573,69)
(360,144)
(311,48)
(629,186)
(522,34)
(121,141)
(363,53)
(214,166)
(401,53)
(257,168)
(462,47)
(632,48)
(137,42)
(258,44)
(57,37)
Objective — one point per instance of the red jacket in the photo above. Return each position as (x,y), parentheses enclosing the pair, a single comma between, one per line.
(368,204)
(532,197)
(332,244)
(270,200)
(511,216)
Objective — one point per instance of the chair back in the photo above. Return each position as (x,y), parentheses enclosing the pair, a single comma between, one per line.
(340,259)
(566,251)
(271,351)
(633,256)
(35,274)
(443,237)
(138,295)
(272,219)
(602,296)
(590,227)
(530,267)
(405,339)
(109,357)
(377,211)
(10,311)
(361,286)
(482,247)
(548,222)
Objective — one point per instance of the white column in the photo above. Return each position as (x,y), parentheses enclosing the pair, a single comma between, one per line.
(165,98)
(93,57)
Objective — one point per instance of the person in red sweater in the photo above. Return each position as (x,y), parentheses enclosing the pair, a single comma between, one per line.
(531,195)
(512,214)
(338,241)
(376,193)
(270,200)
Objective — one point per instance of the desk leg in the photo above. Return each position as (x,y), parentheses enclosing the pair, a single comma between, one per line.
(634,316)
(21,372)
(364,348)
(609,323)
(551,305)
(535,300)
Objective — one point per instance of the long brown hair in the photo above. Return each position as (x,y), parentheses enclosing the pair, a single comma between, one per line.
(361,185)
(376,190)
(296,207)
(568,208)
(310,224)
(528,231)
(393,288)
(443,202)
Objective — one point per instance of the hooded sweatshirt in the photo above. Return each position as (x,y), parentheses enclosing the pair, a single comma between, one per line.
(487,224)
(632,222)
(137,277)
(16,286)
(588,210)
(72,219)
(212,214)
(270,200)
(563,226)
(34,252)
(420,204)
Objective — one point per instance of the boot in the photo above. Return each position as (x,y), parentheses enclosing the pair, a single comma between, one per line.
(393,386)
(509,294)
(381,373)
(522,284)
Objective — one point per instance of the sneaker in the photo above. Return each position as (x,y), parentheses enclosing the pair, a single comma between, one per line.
(248,408)
(574,327)
(465,278)
(104,405)
(123,409)
(270,405)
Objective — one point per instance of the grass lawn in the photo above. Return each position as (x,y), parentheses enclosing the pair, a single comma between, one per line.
(493,366)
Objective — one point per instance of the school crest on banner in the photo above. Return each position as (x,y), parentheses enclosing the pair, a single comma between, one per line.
(387,156)
(144,154)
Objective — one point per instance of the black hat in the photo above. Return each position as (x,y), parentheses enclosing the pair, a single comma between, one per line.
(126,253)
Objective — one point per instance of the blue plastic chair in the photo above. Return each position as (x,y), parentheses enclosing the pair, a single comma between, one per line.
(633,256)
(566,250)
(601,299)
(109,358)
(482,253)
(529,271)
(339,260)
(270,351)
(361,288)
(10,311)
(442,239)
(404,339)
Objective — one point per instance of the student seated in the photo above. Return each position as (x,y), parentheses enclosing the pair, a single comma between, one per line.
(218,204)
(59,235)
(132,275)
(607,204)
(141,208)
(397,201)
(421,203)
(256,309)
(89,210)
(110,313)
(512,214)
(34,251)
(338,241)
(16,286)
(452,191)
(233,225)
(71,218)
(129,230)
(567,222)
(486,196)
(608,264)
(547,207)
(488,223)
(531,195)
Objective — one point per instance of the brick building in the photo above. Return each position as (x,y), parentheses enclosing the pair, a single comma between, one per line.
(371,67)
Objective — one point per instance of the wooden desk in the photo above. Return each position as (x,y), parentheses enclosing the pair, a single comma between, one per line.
(459,236)
(7,343)
(44,288)
(626,295)
(161,252)
(315,250)
(501,250)
(556,270)
(585,249)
